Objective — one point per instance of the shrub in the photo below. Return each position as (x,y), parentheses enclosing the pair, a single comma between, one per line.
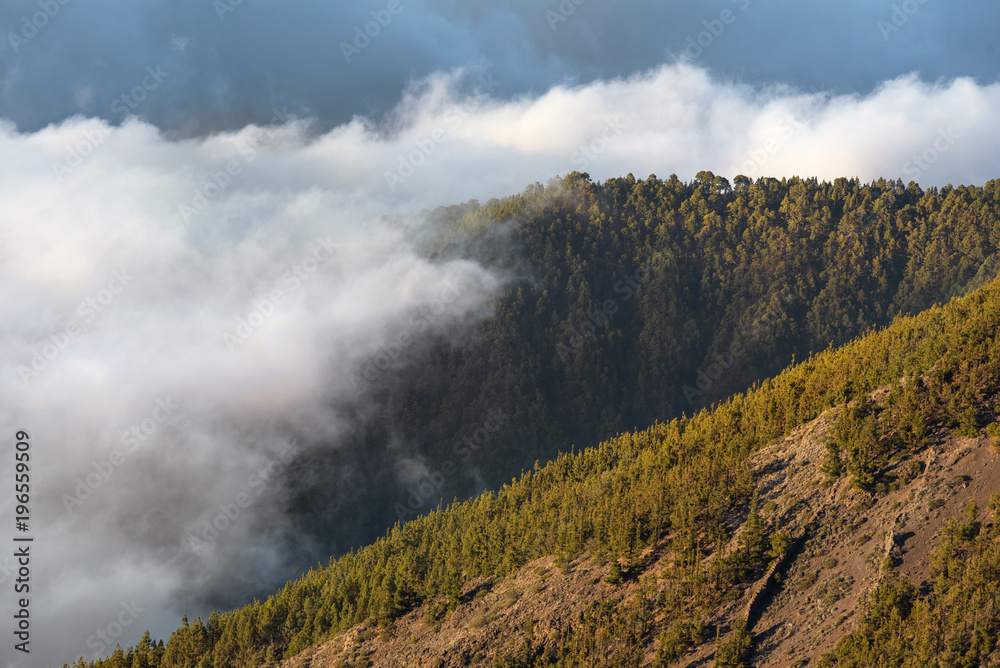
(807,580)
(780,540)
(615,577)
(736,650)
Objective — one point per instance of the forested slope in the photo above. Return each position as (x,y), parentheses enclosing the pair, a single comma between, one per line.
(632,301)
(625,294)
(674,485)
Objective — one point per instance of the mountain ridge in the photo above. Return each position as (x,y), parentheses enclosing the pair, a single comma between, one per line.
(675,485)
(551,595)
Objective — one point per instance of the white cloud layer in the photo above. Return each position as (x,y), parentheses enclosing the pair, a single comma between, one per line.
(678,119)
(191,303)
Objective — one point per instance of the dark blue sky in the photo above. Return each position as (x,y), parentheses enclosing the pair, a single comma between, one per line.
(225,72)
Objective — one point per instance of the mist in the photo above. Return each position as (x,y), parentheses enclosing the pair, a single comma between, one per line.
(183,334)
(186,319)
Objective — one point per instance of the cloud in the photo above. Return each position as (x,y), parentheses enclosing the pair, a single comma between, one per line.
(175,369)
(675,119)
(203,307)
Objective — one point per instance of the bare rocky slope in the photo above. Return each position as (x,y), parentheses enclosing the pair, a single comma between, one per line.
(843,541)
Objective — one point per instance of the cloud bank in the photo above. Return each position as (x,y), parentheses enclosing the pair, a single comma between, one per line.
(182,333)
(185,319)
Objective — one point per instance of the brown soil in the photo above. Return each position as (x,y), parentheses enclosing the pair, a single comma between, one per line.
(812,600)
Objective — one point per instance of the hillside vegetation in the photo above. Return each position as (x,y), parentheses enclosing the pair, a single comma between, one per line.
(676,485)
(632,301)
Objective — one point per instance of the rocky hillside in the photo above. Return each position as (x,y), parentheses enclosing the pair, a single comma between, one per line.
(842,542)
(839,514)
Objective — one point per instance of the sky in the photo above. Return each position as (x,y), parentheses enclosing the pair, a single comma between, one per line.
(210,221)
(230,62)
